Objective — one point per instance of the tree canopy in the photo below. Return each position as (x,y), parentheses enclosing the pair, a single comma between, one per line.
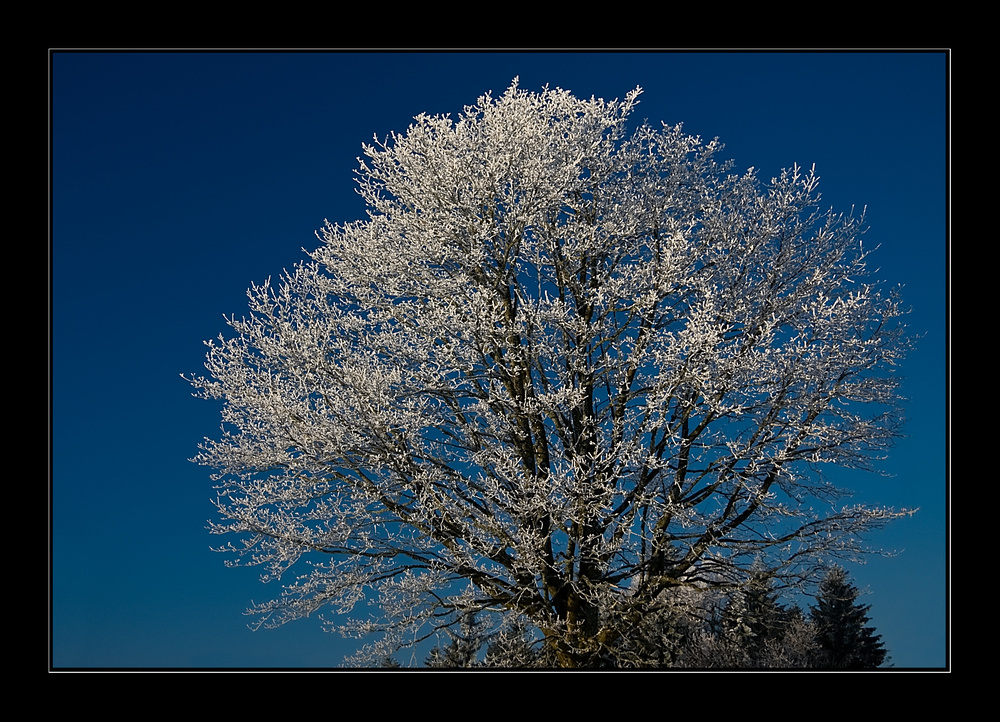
(567,371)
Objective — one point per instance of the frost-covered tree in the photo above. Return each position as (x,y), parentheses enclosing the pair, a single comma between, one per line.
(562,369)
(754,629)
(752,617)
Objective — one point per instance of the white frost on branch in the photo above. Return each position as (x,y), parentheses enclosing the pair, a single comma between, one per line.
(561,370)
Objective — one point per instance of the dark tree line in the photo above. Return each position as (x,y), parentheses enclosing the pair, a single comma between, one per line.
(748,628)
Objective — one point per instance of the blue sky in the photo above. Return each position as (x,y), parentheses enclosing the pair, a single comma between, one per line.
(180,178)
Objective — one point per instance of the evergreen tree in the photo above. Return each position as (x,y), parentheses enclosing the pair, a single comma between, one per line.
(473,645)
(514,647)
(841,626)
(463,649)
(658,640)
(753,630)
(753,616)
(796,646)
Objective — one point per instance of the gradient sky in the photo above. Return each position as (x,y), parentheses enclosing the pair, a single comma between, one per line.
(180,178)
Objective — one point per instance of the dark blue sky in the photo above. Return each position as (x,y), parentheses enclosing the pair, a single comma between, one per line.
(179,178)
